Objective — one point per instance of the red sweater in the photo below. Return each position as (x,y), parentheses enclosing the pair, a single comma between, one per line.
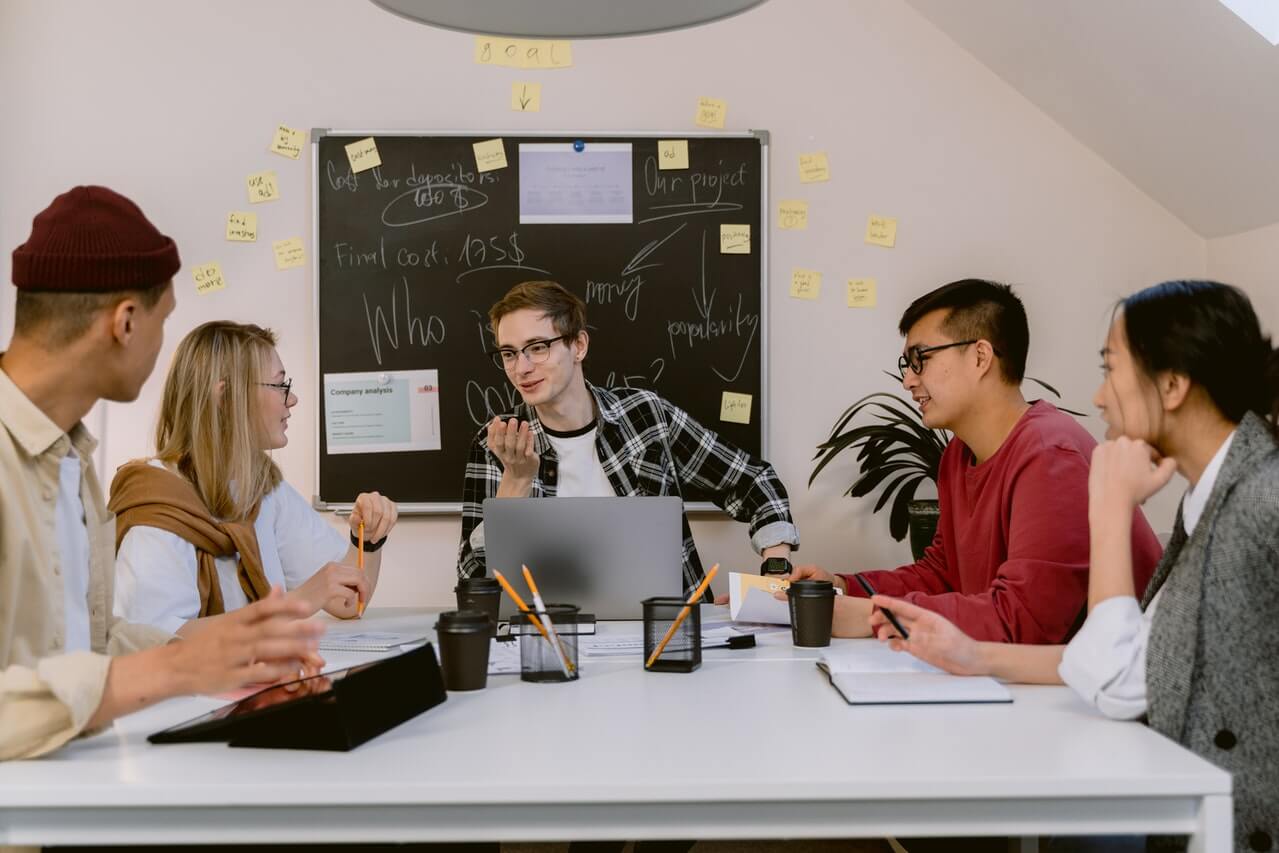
(1010,559)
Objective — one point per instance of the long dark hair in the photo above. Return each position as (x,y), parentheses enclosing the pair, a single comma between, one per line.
(1209,332)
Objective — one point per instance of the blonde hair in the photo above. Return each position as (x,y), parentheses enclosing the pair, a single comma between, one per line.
(212,436)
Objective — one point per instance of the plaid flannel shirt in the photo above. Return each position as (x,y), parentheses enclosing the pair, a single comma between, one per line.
(634,429)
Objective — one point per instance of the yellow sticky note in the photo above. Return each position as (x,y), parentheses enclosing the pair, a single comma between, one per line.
(489,155)
(288,253)
(881,231)
(526,97)
(208,278)
(711,112)
(262,187)
(861,293)
(814,167)
(672,153)
(242,227)
(805,284)
(735,408)
(735,239)
(362,154)
(288,142)
(523,53)
(792,215)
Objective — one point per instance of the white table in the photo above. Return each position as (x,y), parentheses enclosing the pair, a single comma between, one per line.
(755,744)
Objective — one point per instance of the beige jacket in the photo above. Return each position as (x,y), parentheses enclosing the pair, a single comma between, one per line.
(47,696)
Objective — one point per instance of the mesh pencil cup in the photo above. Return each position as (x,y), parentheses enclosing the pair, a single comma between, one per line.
(540,659)
(683,651)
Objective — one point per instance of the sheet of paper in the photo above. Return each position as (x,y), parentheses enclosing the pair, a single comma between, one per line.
(561,185)
(871,656)
(526,97)
(289,253)
(735,408)
(389,412)
(288,142)
(805,284)
(242,227)
(362,154)
(208,278)
(613,646)
(523,53)
(489,155)
(711,112)
(672,153)
(750,599)
(734,239)
(792,215)
(917,688)
(504,657)
(262,187)
(814,167)
(881,231)
(861,293)
(367,641)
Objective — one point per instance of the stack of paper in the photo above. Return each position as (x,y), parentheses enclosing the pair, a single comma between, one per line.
(750,599)
(868,672)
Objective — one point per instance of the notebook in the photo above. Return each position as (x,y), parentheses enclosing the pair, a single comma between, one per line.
(868,672)
(367,641)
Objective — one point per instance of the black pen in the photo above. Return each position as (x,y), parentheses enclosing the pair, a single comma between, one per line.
(870,590)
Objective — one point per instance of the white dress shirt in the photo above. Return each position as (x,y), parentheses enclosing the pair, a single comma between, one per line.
(1105,663)
(156,570)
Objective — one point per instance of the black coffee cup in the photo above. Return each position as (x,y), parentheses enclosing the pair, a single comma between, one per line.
(812,609)
(463,640)
(482,594)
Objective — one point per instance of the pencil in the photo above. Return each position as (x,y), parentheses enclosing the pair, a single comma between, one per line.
(359,561)
(683,614)
(519,602)
(554,637)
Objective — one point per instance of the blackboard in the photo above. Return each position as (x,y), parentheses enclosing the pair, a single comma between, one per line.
(410,255)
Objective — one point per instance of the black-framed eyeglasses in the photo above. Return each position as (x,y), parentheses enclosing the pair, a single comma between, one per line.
(286,386)
(536,352)
(915,357)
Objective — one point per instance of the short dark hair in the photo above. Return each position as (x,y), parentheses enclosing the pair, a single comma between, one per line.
(58,317)
(1209,332)
(566,311)
(979,310)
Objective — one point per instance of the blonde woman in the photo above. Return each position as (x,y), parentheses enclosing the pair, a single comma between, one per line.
(209,525)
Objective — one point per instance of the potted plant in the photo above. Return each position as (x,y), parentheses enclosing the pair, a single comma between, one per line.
(897,451)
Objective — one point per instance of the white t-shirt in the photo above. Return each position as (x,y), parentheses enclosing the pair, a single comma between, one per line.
(156,570)
(580,473)
(73,552)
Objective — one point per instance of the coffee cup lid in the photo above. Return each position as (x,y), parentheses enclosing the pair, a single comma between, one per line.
(463,620)
(476,584)
(810,587)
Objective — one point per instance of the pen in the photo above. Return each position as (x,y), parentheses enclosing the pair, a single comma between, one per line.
(870,590)
(359,557)
(683,613)
(550,633)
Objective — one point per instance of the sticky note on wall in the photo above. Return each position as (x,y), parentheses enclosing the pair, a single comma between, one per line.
(288,253)
(792,215)
(288,142)
(208,278)
(362,154)
(262,187)
(241,226)
(711,112)
(735,239)
(814,167)
(881,231)
(861,293)
(489,155)
(672,154)
(805,284)
(526,97)
(735,408)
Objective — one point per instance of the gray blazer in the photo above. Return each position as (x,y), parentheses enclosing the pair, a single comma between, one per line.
(1212,665)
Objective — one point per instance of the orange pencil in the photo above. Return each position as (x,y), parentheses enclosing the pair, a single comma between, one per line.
(683,614)
(359,558)
(519,602)
(554,637)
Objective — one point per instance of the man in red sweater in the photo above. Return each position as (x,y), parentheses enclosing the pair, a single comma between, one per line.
(1009,562)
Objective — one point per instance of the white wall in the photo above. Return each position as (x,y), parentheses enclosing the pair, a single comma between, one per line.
(1251,261)
(174,104)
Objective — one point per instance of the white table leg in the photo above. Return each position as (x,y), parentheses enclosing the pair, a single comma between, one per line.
(1216,826)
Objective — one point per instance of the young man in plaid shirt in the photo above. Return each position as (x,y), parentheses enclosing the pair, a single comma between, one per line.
(569,438)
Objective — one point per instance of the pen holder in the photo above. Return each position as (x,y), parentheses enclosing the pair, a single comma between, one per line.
(683,651)
(539,659)
(482,594)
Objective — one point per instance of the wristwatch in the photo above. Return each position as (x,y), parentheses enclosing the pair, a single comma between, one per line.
(775,566)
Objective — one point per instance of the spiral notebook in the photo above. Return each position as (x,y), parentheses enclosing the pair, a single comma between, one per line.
(368,641)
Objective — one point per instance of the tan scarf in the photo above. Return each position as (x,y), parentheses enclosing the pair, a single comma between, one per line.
(146,495)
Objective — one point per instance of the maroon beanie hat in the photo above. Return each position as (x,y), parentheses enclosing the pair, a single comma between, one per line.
(93,239)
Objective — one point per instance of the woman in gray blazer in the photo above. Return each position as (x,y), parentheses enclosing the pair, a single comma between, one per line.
(1190,385)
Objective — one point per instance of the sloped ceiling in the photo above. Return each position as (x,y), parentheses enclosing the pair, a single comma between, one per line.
(1181,96)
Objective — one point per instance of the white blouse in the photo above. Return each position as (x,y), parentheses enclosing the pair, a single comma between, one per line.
(1105,662)
(156,570)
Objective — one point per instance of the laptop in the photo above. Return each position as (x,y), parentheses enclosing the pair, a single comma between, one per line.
(605,555)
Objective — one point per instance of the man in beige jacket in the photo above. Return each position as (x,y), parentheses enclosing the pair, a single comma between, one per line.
(94,288)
